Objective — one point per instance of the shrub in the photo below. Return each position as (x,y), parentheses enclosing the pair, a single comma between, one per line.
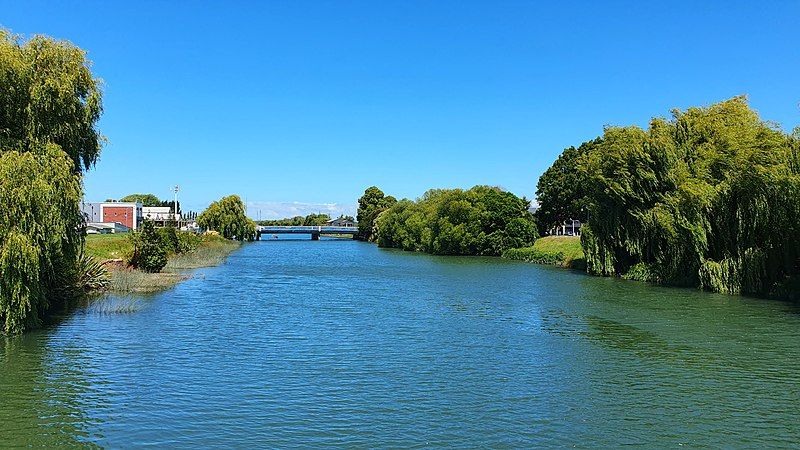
(149,254)
(532,255)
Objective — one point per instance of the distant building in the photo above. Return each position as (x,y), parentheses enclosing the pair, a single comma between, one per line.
(128,214)
(340,222)
(105,228)
(160,213)
(568,228)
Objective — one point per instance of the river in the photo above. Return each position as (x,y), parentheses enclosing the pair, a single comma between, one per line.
(339,343)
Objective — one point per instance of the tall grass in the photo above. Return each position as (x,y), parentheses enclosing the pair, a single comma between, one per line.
(129,280)
(108,305)
(211,252)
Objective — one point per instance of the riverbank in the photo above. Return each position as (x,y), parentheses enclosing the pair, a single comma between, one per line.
(115,250)
(561,251)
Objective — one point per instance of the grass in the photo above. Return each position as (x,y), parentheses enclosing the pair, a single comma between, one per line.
(563,251)
(212,251)
(109,246)
(209,251)
(136,281)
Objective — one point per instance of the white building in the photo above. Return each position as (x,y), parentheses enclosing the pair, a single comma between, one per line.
(160,213)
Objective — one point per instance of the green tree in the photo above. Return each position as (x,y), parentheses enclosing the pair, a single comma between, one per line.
(481,221)
(48,94)
(49,106)
(561,190)
(370,205)
(146,199)
(149,252)
(705,199)
(227,216)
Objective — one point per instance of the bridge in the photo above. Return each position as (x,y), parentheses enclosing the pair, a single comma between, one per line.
(315,231)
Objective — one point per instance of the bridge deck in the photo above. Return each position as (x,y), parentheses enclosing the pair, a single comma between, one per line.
(306,230)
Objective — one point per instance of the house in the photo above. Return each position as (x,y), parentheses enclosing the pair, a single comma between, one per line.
(128,214)
(341,222)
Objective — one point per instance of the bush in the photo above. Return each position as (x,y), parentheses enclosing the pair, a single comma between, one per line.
(169,239)
(532,255)
(149,254)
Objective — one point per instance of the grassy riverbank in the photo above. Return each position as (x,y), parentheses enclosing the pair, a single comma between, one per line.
(562,251)
(115,251)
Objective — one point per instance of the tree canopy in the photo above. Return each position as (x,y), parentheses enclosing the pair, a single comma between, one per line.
(49,106)
(227,216)
(480,221)
(710,198)
(561,190)
(370,205)
(296,221)
(146,199)
(49,95)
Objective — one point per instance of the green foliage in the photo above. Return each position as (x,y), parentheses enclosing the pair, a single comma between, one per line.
(532,255)
(297,221)
(39,238)
(370,206)
(562,189)
(146,199)
(48,95)
(49,106)
(92,274)
(480,221)
(149,252)
(227,217)
(176,242)
(710,198)
(564,251)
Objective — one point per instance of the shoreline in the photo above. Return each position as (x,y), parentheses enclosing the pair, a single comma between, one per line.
(211,251)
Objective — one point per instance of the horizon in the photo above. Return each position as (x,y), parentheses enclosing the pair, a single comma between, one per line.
(297,108)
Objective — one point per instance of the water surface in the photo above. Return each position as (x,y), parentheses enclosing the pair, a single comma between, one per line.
(339,343)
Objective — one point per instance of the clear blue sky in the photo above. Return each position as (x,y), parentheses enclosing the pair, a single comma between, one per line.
(299,106)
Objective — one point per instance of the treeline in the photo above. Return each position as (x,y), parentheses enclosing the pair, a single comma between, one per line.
(480,221)
(150,200)
(709,198)
(49,106)
(297,221)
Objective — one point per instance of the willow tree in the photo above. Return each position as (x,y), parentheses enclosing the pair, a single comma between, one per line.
(227,216)
(708,198)
(49,105)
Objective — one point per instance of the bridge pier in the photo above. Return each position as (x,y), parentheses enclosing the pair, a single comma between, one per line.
(314,236)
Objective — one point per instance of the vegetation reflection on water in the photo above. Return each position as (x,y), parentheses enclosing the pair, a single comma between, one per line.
(341,343)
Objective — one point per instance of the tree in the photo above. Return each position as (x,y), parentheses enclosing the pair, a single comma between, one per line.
(708,199)
(370,205)
(48,94)
(146,199)
(227,216)
(483,220)
(561,190)
(49,107)
(149,254)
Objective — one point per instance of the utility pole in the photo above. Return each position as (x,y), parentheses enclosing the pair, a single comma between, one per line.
(175,205)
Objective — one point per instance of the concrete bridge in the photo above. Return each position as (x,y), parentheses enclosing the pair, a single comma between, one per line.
(315,231)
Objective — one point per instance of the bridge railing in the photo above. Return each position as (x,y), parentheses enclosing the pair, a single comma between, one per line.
(305,229)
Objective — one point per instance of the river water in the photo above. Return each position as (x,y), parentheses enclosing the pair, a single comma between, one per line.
(338,343)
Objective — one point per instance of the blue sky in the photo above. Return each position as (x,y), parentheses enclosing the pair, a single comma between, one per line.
(299,106)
